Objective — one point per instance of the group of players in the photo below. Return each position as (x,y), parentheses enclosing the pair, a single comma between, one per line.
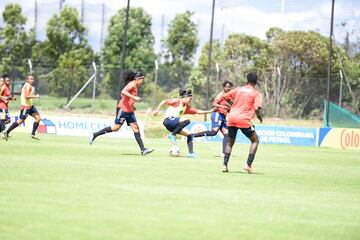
(26,108)
(233,109)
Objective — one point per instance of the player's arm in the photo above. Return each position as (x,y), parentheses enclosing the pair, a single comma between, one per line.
(191,110)
(126,93)
(217,105)
(259,114)
(27,94)
(162,103)
(258,102)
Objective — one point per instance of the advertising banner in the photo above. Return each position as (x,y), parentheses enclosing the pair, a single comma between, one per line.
(342,138)
(76,126)
(267,134)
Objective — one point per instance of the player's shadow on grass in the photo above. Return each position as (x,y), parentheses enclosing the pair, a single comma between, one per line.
(243,172)
(130,154)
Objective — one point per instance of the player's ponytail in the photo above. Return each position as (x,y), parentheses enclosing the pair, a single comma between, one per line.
(128,76)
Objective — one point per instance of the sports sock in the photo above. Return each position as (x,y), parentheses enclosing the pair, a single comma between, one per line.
(225,141)
(2,125)
(14,125)
(250,159)
(226,158)
(190,143)
(139,140)
(102,131)
(35,126)
(180,127)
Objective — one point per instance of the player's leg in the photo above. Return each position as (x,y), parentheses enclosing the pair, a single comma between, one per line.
(251,134)
(215,126)
(189,142)
(22,117)
(131,120)
(232,137)
(179,127)
(171,124)
(2,120)
(37,118)
(119,121)
(225,141)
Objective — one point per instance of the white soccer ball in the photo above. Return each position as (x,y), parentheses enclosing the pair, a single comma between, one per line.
(174,151)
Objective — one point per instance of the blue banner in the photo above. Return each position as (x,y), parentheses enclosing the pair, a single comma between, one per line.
(267,134)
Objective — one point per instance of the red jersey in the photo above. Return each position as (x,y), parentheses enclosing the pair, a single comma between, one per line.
(127,104)
(178,107)
(223,102)
(246,100)
(4,92)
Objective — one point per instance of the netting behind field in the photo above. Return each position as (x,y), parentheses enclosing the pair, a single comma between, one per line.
(340,117)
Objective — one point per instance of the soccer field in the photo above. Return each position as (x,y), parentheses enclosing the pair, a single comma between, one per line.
(62,188)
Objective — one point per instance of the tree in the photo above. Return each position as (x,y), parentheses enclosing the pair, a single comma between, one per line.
(139,53)
(180,48)
(303,58)
(15,43)
(68,49)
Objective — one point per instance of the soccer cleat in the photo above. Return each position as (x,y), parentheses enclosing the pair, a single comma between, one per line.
(248,168)
(35,137)
(172,138)
(147,151)
(91,138)
(192,155)
(225,169)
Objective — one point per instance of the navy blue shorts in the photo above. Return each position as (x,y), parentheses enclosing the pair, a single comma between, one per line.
(171,123)
(26,112)
(122,116)
(218,120)
(248,132)
(4,114)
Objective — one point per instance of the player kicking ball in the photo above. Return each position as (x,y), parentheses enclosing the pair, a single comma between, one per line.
(247,102)
(174,122)
(218,116)
(125,110)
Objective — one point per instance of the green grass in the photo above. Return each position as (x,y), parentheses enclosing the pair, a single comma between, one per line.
(62,188)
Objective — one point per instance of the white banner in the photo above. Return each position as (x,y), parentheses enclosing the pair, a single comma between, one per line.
(78,126)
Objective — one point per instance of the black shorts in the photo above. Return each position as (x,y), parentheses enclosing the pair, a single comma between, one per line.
(24,113)
(122,116)
(171,123)
(248,132)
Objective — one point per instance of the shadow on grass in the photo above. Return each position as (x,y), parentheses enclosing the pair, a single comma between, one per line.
(242,172)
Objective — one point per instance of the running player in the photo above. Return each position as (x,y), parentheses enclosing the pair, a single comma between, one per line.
(247,102)
(27,107)
(5,98)
(125,110)
(218,117)
(174,122)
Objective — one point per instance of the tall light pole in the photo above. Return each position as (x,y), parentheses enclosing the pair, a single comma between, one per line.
(329,64)
(208,73)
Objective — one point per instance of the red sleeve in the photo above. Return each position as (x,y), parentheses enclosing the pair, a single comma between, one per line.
(229,95)
(190,110)
(258,101)
(172,102)
(130,86)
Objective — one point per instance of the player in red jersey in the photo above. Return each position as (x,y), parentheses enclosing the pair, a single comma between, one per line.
(218,117)
(5,98)
(174,122)
(27,107)
(125,110)
(247,102)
